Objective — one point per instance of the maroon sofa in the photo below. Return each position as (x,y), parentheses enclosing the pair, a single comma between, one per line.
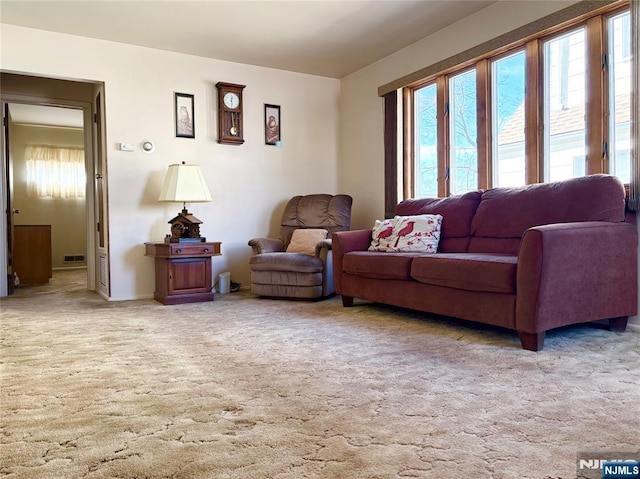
(529,259)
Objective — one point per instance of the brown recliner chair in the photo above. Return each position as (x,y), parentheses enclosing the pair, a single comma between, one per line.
(276,273)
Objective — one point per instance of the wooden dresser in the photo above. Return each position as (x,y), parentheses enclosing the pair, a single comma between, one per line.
(32,253)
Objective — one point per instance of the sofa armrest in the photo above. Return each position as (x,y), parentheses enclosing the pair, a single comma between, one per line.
(576,272)
(356,240)
(266,245)
(344,242)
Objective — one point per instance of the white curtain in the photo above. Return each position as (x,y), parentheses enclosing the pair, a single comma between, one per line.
(55,172)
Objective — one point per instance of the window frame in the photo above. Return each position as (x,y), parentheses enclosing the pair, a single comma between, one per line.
(596,101)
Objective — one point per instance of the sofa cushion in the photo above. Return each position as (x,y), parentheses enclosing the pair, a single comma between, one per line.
(504,214)
(379,265)
(457,213)
(472,272)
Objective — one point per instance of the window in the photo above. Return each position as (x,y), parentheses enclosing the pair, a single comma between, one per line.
(54,172)
(463,136)
(426,133)
(547,108)
(620,96)
(564,82)
(508,90)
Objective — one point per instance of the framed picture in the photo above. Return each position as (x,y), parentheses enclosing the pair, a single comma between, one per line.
(272,128)
(184,115)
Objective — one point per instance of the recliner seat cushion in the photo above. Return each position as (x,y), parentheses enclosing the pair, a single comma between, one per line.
(286,278)
(472,272)
(295,262)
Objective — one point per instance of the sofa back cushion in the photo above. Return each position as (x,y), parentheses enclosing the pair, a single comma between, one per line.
(457,213)
(504,214)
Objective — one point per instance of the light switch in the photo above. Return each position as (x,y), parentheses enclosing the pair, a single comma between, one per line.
(126,147)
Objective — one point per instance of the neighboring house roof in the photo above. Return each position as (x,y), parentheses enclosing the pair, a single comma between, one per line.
(562,121)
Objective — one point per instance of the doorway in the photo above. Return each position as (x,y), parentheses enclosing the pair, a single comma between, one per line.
(48,187)
(80,237)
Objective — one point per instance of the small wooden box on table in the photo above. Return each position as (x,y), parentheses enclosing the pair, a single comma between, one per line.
(183,271)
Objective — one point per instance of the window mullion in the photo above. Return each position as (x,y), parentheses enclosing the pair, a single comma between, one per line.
(483,105)
(443,136)
(409,168)
(596,119)
(533,113)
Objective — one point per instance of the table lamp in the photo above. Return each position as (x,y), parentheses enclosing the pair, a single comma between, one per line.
(184,184)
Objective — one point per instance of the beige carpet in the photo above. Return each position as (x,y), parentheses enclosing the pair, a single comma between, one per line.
(244,387)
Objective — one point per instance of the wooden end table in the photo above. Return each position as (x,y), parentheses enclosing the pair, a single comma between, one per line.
(183,271)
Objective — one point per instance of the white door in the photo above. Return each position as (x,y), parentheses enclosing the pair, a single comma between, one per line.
(100,220)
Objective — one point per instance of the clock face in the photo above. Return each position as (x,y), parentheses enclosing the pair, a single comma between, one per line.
(231,100)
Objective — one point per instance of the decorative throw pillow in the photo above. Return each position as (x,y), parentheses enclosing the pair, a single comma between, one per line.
(382,237)
(417,233)
(305,240)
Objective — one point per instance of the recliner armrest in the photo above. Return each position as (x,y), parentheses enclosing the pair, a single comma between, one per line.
(323,246)
(266,245)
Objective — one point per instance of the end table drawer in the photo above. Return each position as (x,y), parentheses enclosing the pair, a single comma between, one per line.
(195,250)
(177,250)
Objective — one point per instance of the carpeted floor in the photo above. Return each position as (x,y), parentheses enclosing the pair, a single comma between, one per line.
(244,387)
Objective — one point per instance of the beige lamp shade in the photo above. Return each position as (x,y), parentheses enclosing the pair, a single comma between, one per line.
(184,184)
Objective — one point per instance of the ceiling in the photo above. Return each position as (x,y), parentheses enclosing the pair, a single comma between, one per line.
(23,114)
(331,38)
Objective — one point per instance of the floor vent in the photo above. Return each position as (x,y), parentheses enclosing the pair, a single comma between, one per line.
(74,258)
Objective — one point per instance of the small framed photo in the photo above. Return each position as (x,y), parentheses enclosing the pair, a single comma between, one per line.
(184,115)
(272,128)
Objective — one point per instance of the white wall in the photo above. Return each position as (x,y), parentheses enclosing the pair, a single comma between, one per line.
(249,183)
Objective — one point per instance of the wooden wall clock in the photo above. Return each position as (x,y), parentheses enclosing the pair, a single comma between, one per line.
(230,128)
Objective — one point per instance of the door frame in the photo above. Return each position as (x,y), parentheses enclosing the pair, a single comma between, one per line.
(88,119)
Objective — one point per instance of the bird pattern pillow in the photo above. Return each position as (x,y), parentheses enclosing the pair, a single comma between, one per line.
(382,235)
(419,233)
